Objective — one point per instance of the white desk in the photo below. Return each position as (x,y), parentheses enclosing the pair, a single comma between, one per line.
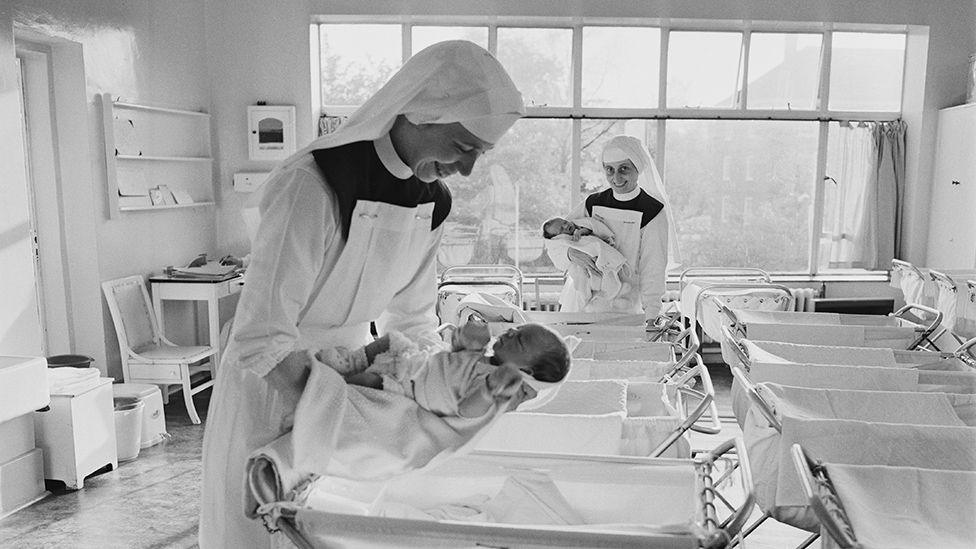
(170,288)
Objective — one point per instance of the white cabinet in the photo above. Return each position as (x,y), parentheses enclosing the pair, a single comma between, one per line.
(952,216)
(156,158)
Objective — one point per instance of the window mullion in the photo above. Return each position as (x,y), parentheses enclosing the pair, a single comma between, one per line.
(744,63)
(816,220)
(825,55)
(406,41)
(662,81)
(577,139)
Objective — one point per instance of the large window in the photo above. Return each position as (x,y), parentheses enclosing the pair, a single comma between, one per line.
(738,120)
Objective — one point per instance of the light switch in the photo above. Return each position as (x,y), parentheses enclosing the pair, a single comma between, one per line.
(246,182)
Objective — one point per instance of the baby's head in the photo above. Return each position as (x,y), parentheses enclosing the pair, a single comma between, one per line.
(557,226)
(535,349)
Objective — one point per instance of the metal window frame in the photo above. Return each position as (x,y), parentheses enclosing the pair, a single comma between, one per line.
(662,113)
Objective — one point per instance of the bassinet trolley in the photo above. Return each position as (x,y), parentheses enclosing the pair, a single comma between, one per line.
(621,502)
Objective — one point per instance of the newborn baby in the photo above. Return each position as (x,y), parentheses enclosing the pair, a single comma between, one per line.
(462,382)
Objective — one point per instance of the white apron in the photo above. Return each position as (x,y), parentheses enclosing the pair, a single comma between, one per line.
(385,249)
(626,227)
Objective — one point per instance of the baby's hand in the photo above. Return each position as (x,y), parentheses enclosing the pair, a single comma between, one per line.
(473,336)
(504,382)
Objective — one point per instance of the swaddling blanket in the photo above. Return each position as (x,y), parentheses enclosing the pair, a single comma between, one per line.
(607,258)
(490,308)
(362,433)
(871,406)
(781,352)
(906,508)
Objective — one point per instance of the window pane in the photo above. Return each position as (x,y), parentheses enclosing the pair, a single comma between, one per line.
(525,177)
(594,135)
(866,71)
(759,214)
(621,66)
(425,36)
(540,63)
(703,68)
(357,60)
(784,71)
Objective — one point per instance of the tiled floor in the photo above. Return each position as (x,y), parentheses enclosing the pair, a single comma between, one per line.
(150,502)
(153,501)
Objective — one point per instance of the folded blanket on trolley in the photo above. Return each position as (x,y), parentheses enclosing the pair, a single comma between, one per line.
(863,443)
(865,378)
(905,507)
(588,397)
(631,370)
(872,406)
(781,352)
(555,433)
(624,350)
(825,329)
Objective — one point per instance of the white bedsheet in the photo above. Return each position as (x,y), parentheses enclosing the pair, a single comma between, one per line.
(631,370)
(906,508)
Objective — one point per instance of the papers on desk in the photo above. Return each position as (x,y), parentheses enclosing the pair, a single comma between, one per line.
(213,270)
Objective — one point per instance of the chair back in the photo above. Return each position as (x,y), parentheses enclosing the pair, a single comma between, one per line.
(132,314)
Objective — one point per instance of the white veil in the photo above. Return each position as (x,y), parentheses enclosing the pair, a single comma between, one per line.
(452,81)
(649,179)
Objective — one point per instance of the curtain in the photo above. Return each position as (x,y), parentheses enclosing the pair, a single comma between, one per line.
(863,199)
(889,138)
(848,196)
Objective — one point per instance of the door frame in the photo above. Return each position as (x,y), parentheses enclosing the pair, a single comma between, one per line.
(66,201)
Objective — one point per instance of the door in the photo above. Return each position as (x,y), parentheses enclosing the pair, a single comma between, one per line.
(21,326)
(952,229)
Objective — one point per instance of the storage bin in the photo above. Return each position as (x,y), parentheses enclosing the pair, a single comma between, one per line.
(153,415)
(69,361)
(128,427)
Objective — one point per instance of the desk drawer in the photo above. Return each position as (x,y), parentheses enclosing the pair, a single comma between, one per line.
(229,287)
(154,373)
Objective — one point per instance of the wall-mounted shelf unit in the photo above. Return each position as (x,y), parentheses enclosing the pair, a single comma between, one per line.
(156,158)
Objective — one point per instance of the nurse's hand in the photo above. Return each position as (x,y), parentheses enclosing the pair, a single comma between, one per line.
(289,377)
(583,260)
(473,336)
(504,381)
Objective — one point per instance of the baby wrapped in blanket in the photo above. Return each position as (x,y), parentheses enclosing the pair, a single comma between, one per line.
(592,237)
(462,382)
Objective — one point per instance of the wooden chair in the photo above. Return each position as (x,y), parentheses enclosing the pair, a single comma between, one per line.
(147,356)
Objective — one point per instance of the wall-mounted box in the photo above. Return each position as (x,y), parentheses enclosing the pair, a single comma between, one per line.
(246,182)
(270,132)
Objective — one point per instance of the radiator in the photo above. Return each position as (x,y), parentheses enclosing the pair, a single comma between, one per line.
(803,299)
(552,306)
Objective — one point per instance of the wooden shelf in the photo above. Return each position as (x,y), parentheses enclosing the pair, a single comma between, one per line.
(172,149)
(163,207)
(123,105)
(165,158)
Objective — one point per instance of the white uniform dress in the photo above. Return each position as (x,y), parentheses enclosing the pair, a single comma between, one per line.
(308,285)
(640,228)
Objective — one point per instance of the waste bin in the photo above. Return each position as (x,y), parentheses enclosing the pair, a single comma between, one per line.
(69,361)
(128,427)
(153,415)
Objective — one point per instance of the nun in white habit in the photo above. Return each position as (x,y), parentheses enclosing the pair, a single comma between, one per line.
(347,231)
(635,207)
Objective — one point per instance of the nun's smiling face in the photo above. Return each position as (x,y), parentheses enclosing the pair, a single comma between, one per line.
(438,151)
(622,176)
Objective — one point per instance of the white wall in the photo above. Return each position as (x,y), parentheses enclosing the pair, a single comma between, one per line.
(143,51)
(271,63)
